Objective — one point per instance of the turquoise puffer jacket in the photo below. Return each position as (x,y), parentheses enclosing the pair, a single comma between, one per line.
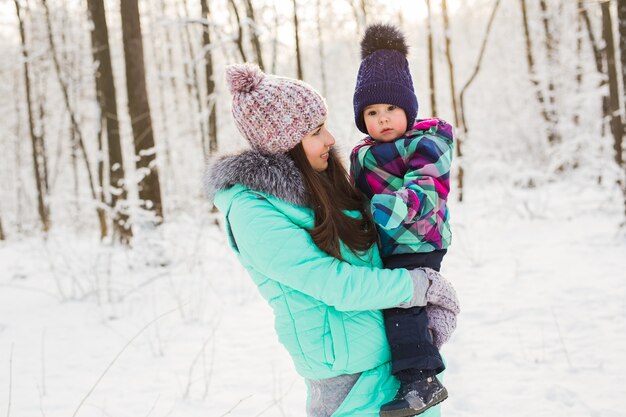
(327,312)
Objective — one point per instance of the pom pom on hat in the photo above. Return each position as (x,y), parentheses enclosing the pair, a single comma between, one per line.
(381,36)
(243,78)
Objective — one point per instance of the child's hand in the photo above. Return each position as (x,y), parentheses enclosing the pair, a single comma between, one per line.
(441,323)
(388,210)
(441,292)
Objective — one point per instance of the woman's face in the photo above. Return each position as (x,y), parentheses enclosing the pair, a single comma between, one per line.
(317,144)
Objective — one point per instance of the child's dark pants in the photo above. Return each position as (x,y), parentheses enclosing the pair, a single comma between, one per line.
(413,354)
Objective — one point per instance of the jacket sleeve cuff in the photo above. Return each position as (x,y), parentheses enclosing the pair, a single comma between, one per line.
(420,286)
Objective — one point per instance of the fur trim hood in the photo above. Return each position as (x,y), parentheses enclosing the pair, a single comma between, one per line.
(274,174)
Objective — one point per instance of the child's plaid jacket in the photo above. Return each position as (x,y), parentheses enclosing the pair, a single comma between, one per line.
(407,182)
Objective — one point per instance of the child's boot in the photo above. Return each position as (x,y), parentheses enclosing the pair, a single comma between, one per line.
(414,398)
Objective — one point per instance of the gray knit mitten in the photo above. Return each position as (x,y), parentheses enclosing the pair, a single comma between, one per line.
(441,292)
(441,322)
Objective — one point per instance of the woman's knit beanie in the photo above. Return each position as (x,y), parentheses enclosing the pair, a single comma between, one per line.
(384,75)
(273,113)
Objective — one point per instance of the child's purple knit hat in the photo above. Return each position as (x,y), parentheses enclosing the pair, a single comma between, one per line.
(384,75)
(273,113)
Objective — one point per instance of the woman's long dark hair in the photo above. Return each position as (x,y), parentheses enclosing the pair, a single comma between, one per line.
(330,193)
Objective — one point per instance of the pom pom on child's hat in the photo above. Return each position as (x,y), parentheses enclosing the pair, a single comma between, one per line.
(380,36)
(273,113)
(384,75)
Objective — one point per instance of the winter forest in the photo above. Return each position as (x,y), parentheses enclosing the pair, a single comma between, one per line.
(119,295)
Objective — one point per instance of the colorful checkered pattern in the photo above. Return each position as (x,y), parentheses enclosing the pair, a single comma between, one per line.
(407,182)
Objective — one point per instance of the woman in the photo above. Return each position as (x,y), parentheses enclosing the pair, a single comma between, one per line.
(300,229)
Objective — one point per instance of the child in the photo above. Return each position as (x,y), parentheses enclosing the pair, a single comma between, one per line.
(402,167)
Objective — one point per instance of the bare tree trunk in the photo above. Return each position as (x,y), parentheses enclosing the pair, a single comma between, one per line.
(532,71)
(239,39)
(357,17)
(158,61)
(275,37)
(187,64)
(37,141)
(210,84)
(170,107)
(617,128)
(195,82)
(431,63)
(100,162)
(359,10)
(2,237)
(469,82)
(168,47)
(76,131)
(74,156)
(599,60)
(446,26)
(41,115)
(616,124)
(170,60)
(621,24)
(139,109)
(597,53)
(320,33)
(256,45)
(106,93)
(365,6)
(579,60)
(73,119)
(297,33)
(70,60)
(19,186)
(579,45)
(554,136)
(455,107)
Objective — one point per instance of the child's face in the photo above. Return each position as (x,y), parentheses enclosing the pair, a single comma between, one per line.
(385,122)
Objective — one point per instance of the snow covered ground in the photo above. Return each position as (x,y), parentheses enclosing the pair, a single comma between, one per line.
(175,327)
